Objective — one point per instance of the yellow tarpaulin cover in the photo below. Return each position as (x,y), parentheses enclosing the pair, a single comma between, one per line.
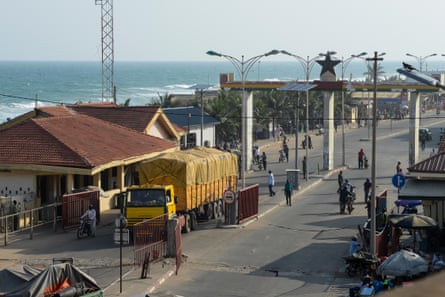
(195,166)
(199,175)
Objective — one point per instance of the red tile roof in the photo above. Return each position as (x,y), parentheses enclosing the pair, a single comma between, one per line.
(74,141)
(133,117)
(434,164)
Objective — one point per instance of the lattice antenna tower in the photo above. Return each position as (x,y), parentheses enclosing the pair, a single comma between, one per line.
(107,36)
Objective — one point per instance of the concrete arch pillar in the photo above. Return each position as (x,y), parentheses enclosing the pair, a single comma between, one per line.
(328,125)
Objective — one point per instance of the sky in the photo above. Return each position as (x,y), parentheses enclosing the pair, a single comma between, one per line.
(180,30)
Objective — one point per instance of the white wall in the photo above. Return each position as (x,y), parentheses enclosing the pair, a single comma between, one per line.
(17,187)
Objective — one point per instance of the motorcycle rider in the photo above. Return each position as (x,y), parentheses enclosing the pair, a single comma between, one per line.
(345,191)
(90,216)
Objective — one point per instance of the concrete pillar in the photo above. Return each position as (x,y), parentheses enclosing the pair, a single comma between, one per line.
(97,182)
(414,121)
(328,125)
(171,237)
(120,178)
(69,182)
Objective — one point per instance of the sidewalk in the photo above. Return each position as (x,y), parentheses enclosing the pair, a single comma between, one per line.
(133,285)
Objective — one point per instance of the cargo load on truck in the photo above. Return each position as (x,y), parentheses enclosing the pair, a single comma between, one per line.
(199,175)
(188,184)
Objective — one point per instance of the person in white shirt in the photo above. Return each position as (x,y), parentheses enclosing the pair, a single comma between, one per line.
(90,215)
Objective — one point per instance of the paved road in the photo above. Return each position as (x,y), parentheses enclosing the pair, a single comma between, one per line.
(103,263)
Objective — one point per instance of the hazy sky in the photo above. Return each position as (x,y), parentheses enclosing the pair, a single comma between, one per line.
(150,30)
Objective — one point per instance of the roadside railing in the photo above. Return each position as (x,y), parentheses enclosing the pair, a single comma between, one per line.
(28,220)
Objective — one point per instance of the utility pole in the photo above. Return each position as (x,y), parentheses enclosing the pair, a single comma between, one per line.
(107,37)
(375,59)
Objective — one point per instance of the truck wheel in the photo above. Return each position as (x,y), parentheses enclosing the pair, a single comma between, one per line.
(220,208)
(215,210)
(209,211)
(193,220)
(187,228)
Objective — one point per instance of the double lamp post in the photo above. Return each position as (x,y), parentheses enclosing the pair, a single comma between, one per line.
(243,67)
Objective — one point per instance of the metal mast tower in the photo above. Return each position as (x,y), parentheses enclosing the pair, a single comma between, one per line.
(108,93)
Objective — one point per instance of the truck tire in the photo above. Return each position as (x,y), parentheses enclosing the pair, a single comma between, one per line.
(209,211)
(193,220)
(220,208)
(187,226)
(215,210)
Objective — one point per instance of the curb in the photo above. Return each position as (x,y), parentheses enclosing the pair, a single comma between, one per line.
(160,281)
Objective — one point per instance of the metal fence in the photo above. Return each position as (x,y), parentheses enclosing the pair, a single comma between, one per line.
(75,204)
(27,220)
(150,240)
(248,203)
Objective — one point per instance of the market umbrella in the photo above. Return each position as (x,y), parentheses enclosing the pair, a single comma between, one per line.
(412,221)
(403,263)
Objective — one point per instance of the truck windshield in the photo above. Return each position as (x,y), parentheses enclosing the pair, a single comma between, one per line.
(147,197)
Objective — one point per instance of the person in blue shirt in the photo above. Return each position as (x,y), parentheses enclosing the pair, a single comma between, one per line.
(354,246)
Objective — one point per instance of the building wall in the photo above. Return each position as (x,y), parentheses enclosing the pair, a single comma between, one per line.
(19,187)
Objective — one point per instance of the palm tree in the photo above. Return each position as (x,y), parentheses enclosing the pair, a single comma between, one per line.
(227,109)
(370,72)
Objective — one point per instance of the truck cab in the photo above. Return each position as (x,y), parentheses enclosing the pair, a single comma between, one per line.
(149,201)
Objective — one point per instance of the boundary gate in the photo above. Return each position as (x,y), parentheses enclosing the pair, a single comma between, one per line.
(74,205)
(248,203)
(150,240)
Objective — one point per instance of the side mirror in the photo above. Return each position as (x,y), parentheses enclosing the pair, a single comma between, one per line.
(176,199)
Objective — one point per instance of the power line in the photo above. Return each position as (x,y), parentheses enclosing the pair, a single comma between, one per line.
(32,99)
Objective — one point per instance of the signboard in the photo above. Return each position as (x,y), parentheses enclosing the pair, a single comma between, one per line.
(229,197)
(398,180)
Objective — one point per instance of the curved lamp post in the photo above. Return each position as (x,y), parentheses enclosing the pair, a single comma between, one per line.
(307,65)
(243,67)
(421,59)
(344,64)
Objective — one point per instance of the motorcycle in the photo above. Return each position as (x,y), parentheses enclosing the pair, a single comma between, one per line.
(84,229)
(350,200)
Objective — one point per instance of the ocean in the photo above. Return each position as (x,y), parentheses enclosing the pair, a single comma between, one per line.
(25,84)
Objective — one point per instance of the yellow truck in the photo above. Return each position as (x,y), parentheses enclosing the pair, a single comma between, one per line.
(188,183)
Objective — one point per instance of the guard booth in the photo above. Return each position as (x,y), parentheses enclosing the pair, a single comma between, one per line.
(292,176)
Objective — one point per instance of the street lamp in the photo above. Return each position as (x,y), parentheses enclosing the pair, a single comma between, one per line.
(344,64)
(307,65)
(201,88)
(243,67)
(421,59)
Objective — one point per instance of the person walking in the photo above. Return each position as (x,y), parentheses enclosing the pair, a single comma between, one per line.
(340,181)
(15,209)
(264,160)
(309,139)
(286,151)
(288,192)
(271,182)
(304,167)
(361,156)
(367,187)
(398,167)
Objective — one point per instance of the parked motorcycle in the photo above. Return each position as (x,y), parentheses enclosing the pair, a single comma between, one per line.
(84,229)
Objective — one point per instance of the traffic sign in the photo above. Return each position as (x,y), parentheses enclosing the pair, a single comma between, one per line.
(229,197)
(398,180)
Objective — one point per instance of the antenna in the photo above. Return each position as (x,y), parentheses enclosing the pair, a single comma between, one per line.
(107,36)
